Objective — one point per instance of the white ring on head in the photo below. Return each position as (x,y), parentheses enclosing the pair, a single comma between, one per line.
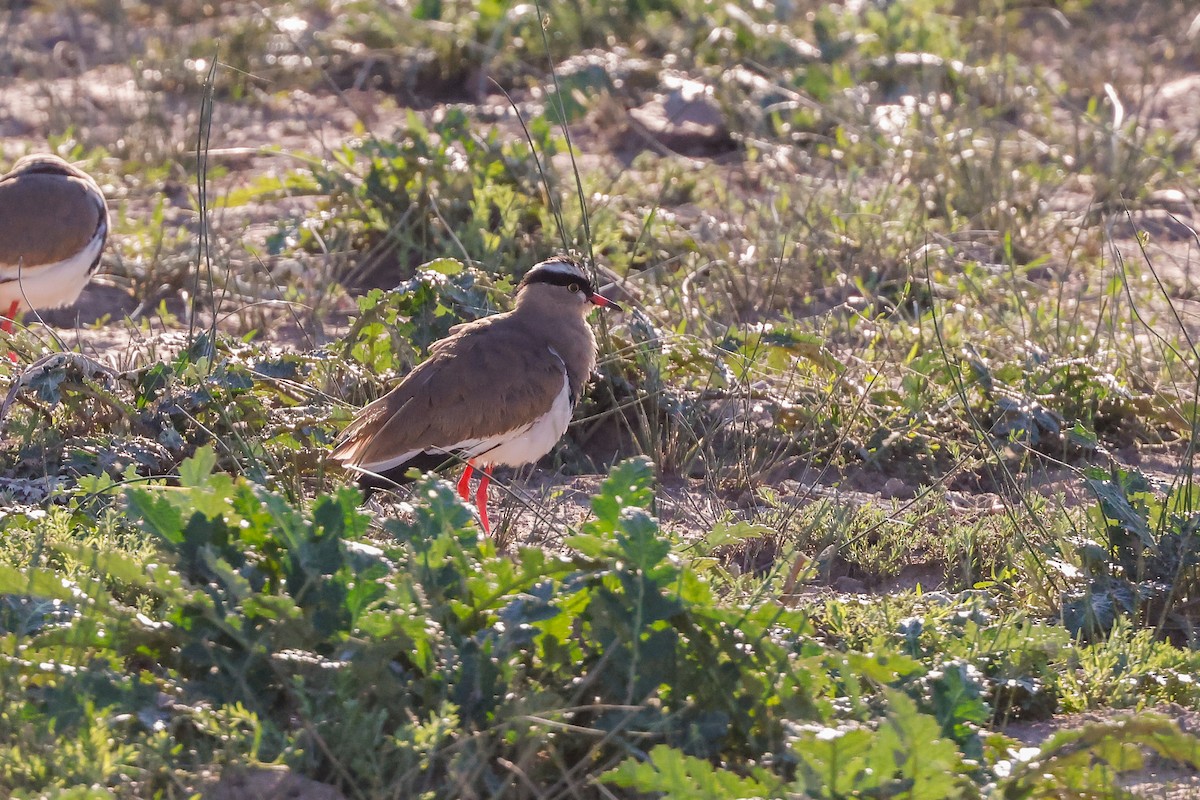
(560,267)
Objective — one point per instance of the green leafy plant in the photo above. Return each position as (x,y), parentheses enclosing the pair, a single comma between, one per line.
(1146,564)
(393,330)
(267,580)
(1091,758)
(434,190)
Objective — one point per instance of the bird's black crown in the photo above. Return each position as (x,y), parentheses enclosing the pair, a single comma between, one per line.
(559,271)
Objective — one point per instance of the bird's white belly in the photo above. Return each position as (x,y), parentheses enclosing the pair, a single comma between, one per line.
(48,285)
(530,442)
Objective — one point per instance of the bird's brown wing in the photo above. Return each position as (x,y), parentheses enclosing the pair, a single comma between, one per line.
(489,378)
(45,218)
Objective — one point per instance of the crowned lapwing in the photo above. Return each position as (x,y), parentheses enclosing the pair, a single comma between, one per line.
(497,391)
(53,224)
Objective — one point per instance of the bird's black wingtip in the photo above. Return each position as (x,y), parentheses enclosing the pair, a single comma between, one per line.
(398,476)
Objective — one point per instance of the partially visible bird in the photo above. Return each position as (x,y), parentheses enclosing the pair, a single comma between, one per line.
(497,391)
(53,225)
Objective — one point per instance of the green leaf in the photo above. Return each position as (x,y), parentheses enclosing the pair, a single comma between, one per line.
(80,793)
(835,758)
(34,581)
(930,765)
(444,266)
(1114,496)
(1081,761)
(110,563)
(728,532)
(212,499)
(158,514)
(195,471)
(629,485)
(680,777)
(641,542)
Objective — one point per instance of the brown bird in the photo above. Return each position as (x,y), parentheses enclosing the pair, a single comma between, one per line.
(53,225)
(497,391)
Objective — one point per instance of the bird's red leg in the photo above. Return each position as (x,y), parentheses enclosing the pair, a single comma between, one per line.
(6,326)
(464,483)
(481,500)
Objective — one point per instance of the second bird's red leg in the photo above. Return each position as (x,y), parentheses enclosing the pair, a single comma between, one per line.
(6,326)
(464,483)
(481,500)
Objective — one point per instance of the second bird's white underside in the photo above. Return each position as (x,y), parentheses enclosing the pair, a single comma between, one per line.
(521,445)
(48,285)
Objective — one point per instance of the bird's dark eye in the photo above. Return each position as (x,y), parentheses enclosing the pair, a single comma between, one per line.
(573,288)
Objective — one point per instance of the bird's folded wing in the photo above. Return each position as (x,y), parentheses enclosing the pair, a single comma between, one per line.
(45,219)
(487,381)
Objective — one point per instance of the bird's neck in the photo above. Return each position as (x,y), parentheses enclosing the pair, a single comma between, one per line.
(578,352)
(568,333)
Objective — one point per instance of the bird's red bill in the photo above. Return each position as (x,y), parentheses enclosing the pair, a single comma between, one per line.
(604,302)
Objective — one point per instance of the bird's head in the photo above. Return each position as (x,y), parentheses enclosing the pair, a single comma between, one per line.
(561,281)
(48,164)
